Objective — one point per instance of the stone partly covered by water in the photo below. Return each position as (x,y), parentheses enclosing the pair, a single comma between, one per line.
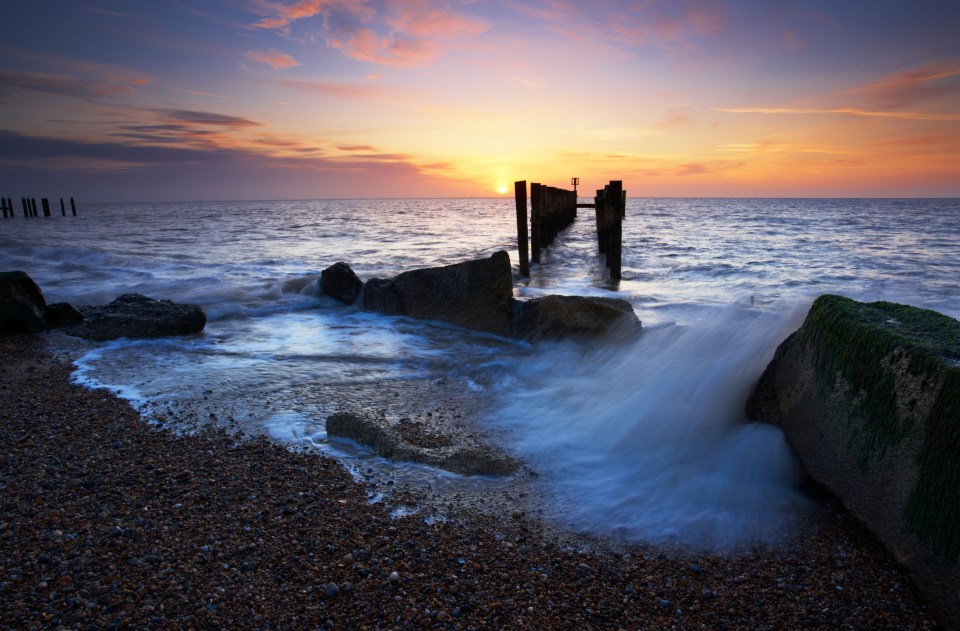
(341,283)
(23,308)
(553,317)
(868,396)
(137,316)
(456,452)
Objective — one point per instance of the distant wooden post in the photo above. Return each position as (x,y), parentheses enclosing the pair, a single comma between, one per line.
(599,208)
(616,229)
(73,207)
(536,202)
(33,207)
(63,209)
(520,194)
(23,202)
(4,200)
(46,206)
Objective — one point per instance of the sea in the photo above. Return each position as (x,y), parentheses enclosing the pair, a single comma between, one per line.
(641,439)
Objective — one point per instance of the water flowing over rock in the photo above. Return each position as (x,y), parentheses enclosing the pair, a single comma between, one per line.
(452,453)
(22,306)
(868,395)
(137,316)
(555,317)
(381,295)
(341,283)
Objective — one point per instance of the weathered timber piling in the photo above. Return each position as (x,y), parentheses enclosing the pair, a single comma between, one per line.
(33,207)
(73,207)
(46,206)
(520,193)
(63,209)
(4,200)
(610,204)
(23,203)
(535,228)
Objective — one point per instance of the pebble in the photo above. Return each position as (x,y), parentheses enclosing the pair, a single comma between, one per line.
(114,551)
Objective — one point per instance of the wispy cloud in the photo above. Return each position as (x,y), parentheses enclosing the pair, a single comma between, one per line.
(272,58)
(364,90)
(849,111)
(390,32)
(210,119)
(914,86)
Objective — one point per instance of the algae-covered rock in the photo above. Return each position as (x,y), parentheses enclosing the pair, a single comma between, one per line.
(868,395)
(137,316)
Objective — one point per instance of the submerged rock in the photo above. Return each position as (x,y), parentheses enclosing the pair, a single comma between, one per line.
(22,306)
(137,316)
(341,283)
(868,395)
(554,317)
(374,430)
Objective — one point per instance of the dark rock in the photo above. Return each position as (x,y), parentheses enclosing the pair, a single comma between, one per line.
(475,294)
(374,430)
(868,395)
(22,306)
(137,316)
(555,317)
(63,314)
(341,283)
(381,295)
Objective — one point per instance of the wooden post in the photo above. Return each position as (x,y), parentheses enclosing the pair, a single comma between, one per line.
(601,209)
(536,202)
(23,202)
(63,209)
(623,207)
(73,207)
(46,206)
(520,194)
(4,200)
(616,229)
(33,207)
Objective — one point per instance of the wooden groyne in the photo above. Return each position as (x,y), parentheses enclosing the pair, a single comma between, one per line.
(29,206)
(554,209)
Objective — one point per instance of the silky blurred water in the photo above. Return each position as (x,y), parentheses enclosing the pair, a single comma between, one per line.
(643,438)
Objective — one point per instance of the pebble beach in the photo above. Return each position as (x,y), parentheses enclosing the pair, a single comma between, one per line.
(107,522)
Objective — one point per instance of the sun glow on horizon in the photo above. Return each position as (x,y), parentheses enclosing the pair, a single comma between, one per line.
(501,189)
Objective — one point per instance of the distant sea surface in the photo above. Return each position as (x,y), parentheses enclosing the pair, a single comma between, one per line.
(645,440)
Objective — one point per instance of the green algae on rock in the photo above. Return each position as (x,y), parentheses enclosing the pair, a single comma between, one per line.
(868,395)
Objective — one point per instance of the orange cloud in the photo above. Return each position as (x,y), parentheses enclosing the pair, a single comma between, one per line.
(272,58)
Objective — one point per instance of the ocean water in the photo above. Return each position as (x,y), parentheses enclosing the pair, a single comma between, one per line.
(643,439)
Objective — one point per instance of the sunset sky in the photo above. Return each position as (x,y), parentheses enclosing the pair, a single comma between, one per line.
(260,99)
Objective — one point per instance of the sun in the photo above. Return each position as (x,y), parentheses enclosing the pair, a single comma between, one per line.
(501,189)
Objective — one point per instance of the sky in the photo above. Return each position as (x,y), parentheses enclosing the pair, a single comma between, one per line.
(301,99)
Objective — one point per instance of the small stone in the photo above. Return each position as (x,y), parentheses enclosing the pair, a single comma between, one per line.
(331,590)
(583,569)
(394,577)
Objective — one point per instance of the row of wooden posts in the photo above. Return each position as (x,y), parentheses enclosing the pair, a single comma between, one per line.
(553,209)
(29,206)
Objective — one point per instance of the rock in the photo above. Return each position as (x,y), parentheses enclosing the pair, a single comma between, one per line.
(341,283)
(374,430)
(868,396)
(63,314)
(331,590)
(554,317)
(474,294)
(22,306)
(137,316)
(394,577)
(381,295)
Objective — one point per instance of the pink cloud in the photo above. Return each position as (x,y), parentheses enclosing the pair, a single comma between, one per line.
(393,32)
(912,86)
(272,58)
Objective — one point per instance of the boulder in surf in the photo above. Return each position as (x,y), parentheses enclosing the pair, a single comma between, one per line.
(137,316)
(868,395)
(565,317)
(341,283)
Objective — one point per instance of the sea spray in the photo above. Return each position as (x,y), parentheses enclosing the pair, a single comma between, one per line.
(647,440)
